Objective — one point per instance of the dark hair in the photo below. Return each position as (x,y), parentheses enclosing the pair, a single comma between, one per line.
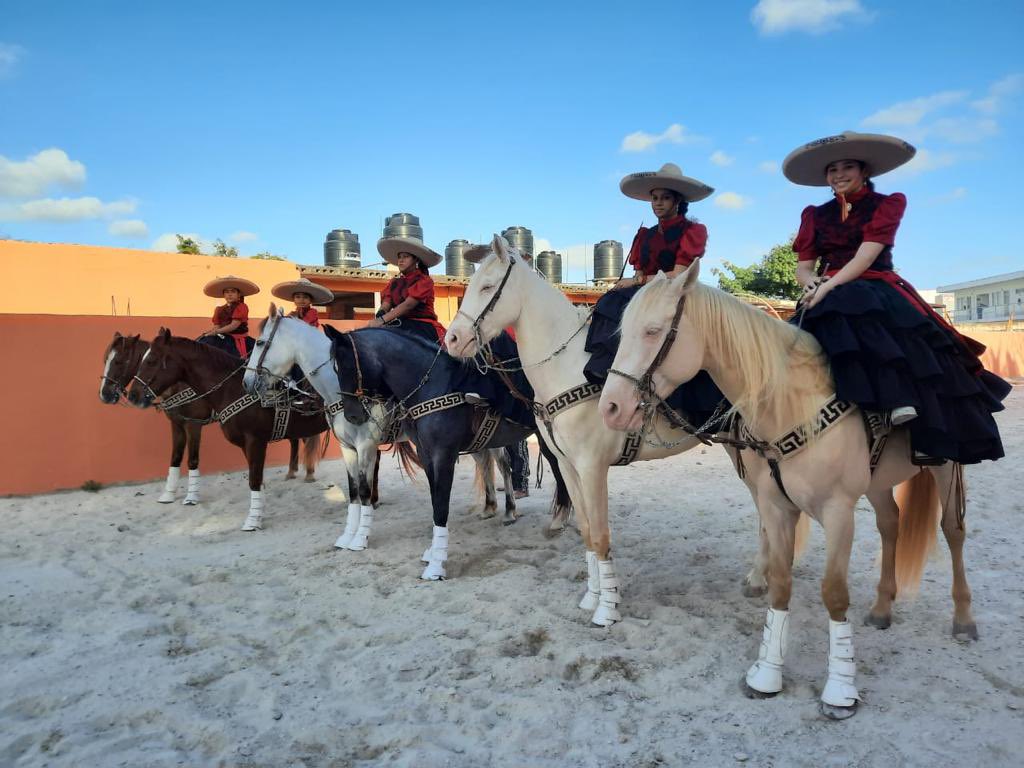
(684,204)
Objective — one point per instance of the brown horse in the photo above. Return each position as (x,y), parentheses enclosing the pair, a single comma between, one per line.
(217,378)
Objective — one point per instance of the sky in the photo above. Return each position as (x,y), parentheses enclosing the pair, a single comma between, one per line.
(268,124)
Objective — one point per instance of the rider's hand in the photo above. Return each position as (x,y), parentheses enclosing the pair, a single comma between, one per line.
(375,322)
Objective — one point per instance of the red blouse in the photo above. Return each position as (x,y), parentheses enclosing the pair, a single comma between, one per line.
(420,286)
(872,217)
(225,313)
(673,242)
(309,315)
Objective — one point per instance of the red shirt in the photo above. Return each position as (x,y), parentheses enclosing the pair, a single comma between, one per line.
(417,285)
(872,217)
(225,313)
(673,242)
(308,315)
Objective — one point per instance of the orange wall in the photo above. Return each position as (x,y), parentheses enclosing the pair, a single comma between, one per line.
(1005,353)
(57,432)
(81,279)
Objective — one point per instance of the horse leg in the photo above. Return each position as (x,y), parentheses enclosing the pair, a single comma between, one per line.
(755,583)
(351,457)
(368,454)
(778,525)
(310,454)
(839,697)
(593,482)
(375,487)
(174,468)
(256,453)
(887,517)
(501,456)
(440,470)
(592,596)
(293,458)
(953,494)
(194,434)
(561,504)
(485,478)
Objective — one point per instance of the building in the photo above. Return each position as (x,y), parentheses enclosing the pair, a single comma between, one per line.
(1000,297)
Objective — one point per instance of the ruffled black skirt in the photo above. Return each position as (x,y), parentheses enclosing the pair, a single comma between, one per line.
(885,353)
(697,399)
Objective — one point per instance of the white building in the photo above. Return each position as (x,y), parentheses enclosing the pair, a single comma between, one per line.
(990,298)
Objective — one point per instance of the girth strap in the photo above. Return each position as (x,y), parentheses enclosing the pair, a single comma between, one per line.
(184,397)
(436,404)
(282,415)
(237,407)
(485,432)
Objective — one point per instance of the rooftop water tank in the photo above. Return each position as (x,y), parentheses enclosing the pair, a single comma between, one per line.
(403,225)
(549,264)
(521,239)
(454,264)
(341,249)
(607,260)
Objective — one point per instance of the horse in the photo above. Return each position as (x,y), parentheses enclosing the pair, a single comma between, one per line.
(121,361)
(215,377)
(780,384)
(421,383)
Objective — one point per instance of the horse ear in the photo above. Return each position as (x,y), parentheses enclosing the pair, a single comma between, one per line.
(500,247)
(272,310)
(117,335)
(136,337)
(280,311)
(165,334)
(332,333)
(684,282)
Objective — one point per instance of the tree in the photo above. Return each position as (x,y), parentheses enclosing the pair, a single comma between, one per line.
(187,245)
(774,277)
(268,256)
(220,249)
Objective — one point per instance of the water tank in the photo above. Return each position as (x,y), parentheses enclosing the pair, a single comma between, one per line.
(454,264)
(403,225)
(549,264)
(341,249)
(607,260)
(521,239)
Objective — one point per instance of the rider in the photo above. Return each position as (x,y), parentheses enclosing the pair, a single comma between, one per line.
(888,349)
(230,331)
(305,293)
(407,301)
(670,247)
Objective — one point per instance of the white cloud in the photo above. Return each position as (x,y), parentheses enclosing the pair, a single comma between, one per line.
(10,54)
(640,141)
(768,166)
(32,176)
(964,130)
(243,237)
(907,114)
(168,242)
(721,159)
(774,17)
(731,201)
(998,92)
(65,209)
(925,161)
(128,228)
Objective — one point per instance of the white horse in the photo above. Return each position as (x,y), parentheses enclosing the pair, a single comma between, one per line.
(286,341)
(778,380)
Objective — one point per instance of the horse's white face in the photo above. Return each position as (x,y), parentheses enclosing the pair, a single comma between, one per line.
(278,358)
(460,339)
(645,325)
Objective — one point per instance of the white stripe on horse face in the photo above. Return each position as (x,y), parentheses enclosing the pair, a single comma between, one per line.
(106,370)
(150,349)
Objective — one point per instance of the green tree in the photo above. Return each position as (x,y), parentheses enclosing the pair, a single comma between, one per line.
(268,255)
(221,249)
(774,277)
(187,245)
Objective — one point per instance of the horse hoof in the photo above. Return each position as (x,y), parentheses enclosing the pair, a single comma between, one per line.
(837,713)
(488,513)
(509,522)
(965,633)
(309,479)
(878,622)
(249,527)
(290,476)
(753,590)
(166,498)
(753,693)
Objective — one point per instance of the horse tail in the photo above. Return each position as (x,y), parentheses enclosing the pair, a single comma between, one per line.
(407,457)
(325,443)
(802,536)
(918,502)
(311,451)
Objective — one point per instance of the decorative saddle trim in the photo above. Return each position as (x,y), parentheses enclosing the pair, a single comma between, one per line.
(392,430)
(485,433)
(281,418)
(236,408)
(436,404)
(794,441)
(630,449)
(184,397)
(566,400)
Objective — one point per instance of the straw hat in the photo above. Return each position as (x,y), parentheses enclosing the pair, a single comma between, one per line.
(806,165)
(390,247)
(215,288)
(288,289)
(639,185)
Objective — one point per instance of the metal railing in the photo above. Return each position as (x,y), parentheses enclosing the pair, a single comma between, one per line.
(986,314)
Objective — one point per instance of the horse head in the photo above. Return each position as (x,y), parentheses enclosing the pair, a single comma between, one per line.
(121,361)
(492,301)
(659,350)
(158,370)
(274,353)
(358,373)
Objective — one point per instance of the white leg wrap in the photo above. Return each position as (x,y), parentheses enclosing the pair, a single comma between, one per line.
(592,596)
(192,497)
(607,612)
(254,521)
(840,690)
(351,524)
(436,555)
(358,542)
(766,673)
(173,474)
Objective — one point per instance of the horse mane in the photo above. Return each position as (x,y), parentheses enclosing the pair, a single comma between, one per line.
(784,371)
(217,357)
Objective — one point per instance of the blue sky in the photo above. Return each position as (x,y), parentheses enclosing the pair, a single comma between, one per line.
(268,125)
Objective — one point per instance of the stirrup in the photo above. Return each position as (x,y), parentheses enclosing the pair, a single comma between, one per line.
(474,399)
(902,415)
(922,459)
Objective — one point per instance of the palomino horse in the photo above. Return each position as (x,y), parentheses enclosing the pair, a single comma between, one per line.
(216,377)
(121,361)
(426,389)
(818,461)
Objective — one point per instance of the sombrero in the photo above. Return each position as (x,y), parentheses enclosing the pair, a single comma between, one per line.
(390,247)
(806,165)
(639,185)
(288,289)
(215,288)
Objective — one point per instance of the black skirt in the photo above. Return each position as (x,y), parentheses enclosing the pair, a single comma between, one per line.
(697,399)
(885,353)
(416,328)
(226,343)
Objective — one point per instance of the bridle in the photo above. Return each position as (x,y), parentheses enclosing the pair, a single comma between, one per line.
(477,334)
(264,347)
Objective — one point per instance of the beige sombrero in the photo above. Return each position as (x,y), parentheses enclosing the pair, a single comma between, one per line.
(289,288)
(215,288)
(806,165)
(390,247)
(639,185)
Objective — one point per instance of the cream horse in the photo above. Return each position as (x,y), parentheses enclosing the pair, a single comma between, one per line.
(777,379)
